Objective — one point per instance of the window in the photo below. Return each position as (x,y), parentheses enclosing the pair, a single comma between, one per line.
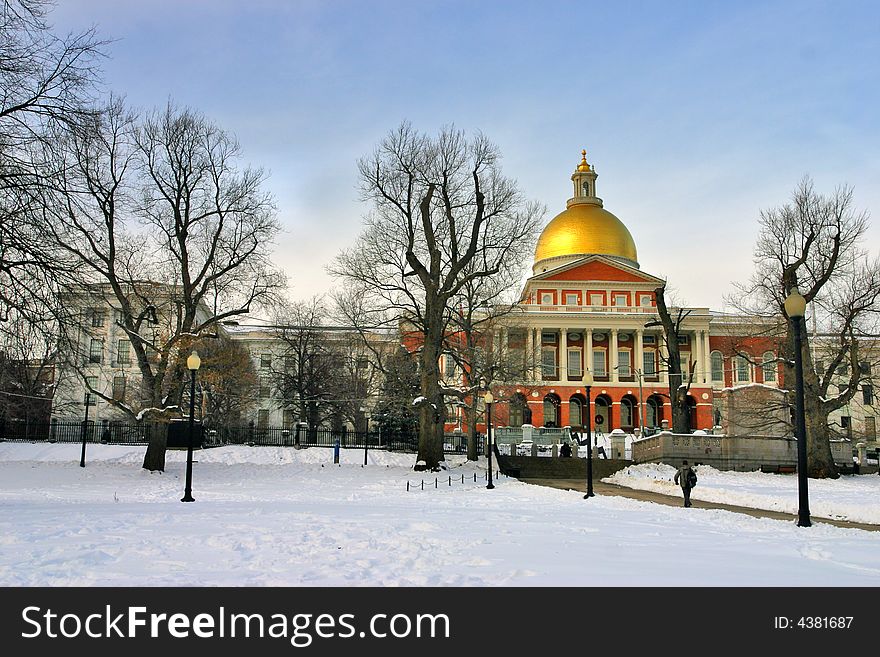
(265,361)
(289,363)
(548,363)
(96,351)
(263,418)
(870,428)
(98,318)
(865,367)
(448,366)
(743,374)
(546,298)
(649,339)
(571,299)
(845,421)
(769,367)
(586,188)
(649,363)
(574,364)
(843,369)
(620,300)
(717,361)
(288,419)
(868,394)
(645,300)
(597,300)
(624,365)
(123,352)
(91,384)
(548,338)
(264,388)
(119,388)
(683,339)
(599,362)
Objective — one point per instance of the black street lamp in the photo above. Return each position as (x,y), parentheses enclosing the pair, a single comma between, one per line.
(588,383)
(192,364)
(796,308)
(488,399)
(82,458)
(366,433)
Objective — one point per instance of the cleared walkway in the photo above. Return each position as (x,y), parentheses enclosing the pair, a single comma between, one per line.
(602,488)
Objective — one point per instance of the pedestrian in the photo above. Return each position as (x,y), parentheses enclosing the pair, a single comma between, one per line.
(687,479)
(565,450)
(105,436)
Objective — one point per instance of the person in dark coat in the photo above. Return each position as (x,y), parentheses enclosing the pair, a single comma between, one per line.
(565,450)
(686,478)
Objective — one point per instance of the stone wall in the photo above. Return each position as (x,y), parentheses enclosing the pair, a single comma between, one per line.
(728,453)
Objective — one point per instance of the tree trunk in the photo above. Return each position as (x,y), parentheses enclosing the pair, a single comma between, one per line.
(154,459)
(471,417)
(430,441)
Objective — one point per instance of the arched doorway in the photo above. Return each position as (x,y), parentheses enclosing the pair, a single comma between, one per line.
(552,403)
(519,413)
(691,406)
(602,414)
(576,417)
(653,412)
(629,413)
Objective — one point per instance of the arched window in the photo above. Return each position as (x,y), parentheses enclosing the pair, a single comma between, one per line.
(743,370)
(717,366)
(575,412)
(769,367)
(586,188)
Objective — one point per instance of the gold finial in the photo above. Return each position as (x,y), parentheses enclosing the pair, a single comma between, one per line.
(583,166)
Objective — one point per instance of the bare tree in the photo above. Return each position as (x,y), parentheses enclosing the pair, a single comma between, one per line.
(227,381)
(46,83)
(170,232)
(443,215)
(302,375)
(475,337)
(671,321)
(813,244)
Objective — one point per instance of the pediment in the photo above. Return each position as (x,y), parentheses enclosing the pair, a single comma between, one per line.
(599,269)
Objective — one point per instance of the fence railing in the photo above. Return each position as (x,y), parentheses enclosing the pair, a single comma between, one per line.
(117,433)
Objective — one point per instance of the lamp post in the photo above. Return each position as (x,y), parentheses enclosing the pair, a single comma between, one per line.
(82,458)
(488,399)
(795,308)
(366,433)
(192,364)
(588,383)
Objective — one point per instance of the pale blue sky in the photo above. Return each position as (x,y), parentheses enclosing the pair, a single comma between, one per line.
(696,115)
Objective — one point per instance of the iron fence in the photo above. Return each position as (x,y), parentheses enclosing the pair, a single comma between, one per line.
(118,433)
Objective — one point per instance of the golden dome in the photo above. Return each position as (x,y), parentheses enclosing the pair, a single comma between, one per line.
(583,229)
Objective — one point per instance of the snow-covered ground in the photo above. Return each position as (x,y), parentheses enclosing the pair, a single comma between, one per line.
(271,516)
(851,497)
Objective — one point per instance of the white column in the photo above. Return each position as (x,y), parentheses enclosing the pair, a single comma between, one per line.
(539,354)
(612,357)
(639,351)
(664,357)
(707,357)
(588,350)
(563,355)
(699,373)
(530,353)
